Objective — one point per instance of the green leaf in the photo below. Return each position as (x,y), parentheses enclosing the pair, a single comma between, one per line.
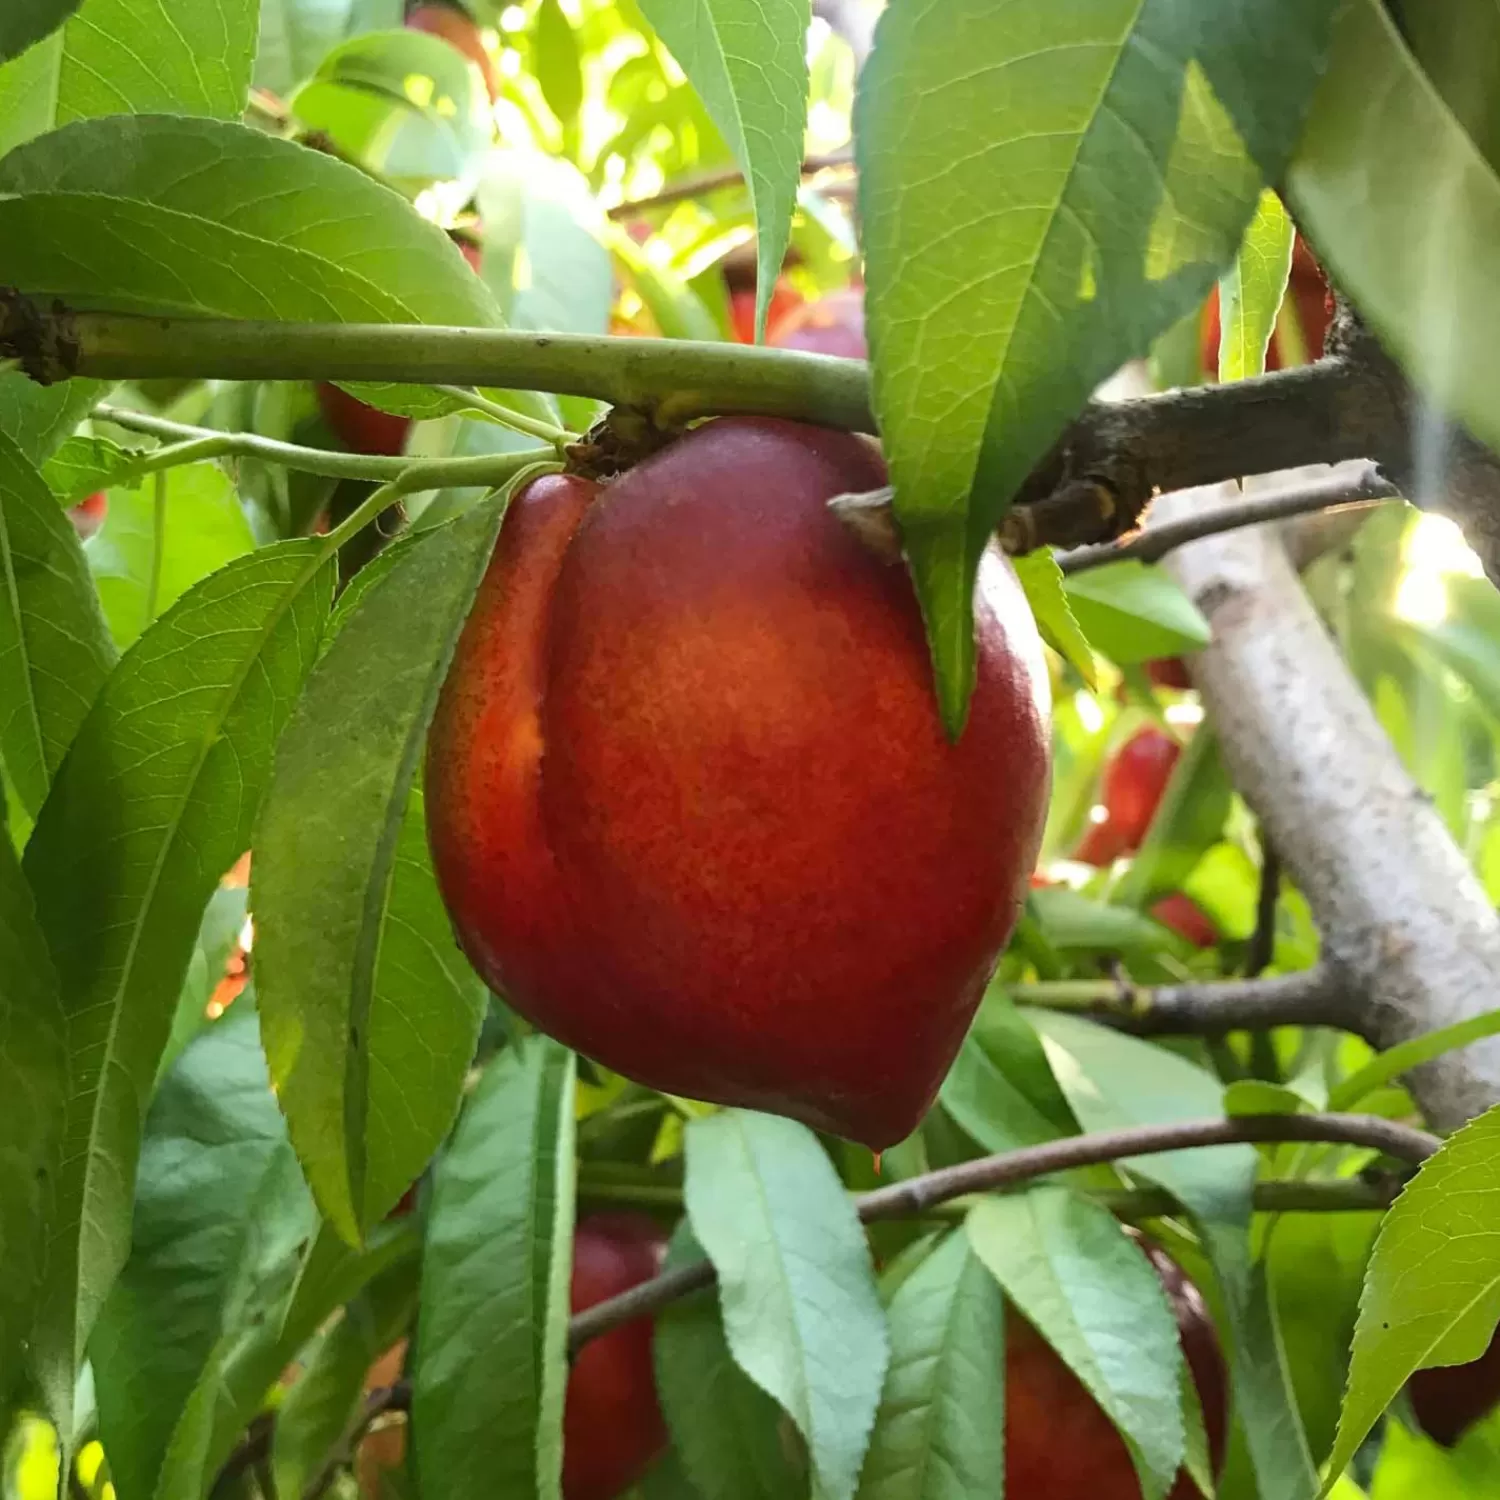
(208,219)
(368,1044)
(544,254)
(220,1211)
(81,466)
(1458,44)
(1405,1056)
(54,654)
(747,59)
(159,540)
(800,1308)
(406,105)
(1432,1292)
(941,1430)
(1080,1282)
(491,1364)
(1250,291)
(1000,1090)
(1113,1081)
(1043,190)
(222,924)
(154,802)
(1079,924)
(294,36)
(724,1427)
(33,1087)
(557,64)
(1135,612)
(1047,595)
(24,25)
(1381,148)
(38,418)
(319,1407)
(125,57)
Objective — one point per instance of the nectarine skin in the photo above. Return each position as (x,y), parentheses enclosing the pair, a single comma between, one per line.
(690,803)
(1059,1445)
(361,428)
(612,1425)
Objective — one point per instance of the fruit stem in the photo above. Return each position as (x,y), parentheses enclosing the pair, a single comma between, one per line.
(548,432)
(197,443)
(677,379)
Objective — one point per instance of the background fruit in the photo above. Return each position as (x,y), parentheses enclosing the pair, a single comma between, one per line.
(784,300)
(612,1425)
(1450,1399)
(1186,918)
(455,27)
(361,428)
(834,324)
(1169,672)
(784,862)
(1059,1445)
(88,515)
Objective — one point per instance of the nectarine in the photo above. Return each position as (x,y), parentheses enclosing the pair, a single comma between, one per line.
(1447,1400)
(1186,918)
(457,28)
(88,515)
(1059,1444)
(361,428)
(834,324)
(691,805)
(612,1424)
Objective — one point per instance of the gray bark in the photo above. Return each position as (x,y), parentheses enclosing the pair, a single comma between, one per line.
(1400,910)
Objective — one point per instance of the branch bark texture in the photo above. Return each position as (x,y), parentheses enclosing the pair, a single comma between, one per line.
(1401,913)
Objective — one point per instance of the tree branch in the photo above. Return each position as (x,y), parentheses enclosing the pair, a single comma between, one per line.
(1313,997)
(918,1195)
(1401,913)
(1333,492)
(712,182)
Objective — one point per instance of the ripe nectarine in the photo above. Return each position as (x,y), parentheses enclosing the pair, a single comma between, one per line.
(1186,918)
(1447,1400)
(1059,1444)
(691,805)
(88,515)
(458,30)
(612,1424)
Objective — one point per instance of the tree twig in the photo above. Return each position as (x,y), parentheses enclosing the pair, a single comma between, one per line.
(1263,939)
(1154,542)
(917,1195)
(388,1398)
(712,182)
(1313,997)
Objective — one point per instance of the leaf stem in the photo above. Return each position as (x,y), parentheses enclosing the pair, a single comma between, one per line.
(158,544)
(548,432)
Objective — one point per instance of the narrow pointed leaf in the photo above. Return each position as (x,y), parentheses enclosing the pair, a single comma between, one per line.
(154,802)
(1383,147)
(1432,1291)
(369,1012)
(54,652)
(724,1427)
(1068,1267)
(1112,1081)
(32,1090)
(220,1203)
(1044,189)
(1250,291)
(491,1362)
(23,25)
(748,61)
(941,1430)
(795,1284)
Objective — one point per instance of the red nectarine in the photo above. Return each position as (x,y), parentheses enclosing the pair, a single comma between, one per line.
(690,801)
(361,428)
(1059,1444)
(458,30)
(1133,783)
(88,515)
(1447,1400)
(834,324)
(1187,919)
(612,1424)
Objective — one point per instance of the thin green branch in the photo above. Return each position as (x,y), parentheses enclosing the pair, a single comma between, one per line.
(188,444)
(158,544)
(677,379)
(548,432)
